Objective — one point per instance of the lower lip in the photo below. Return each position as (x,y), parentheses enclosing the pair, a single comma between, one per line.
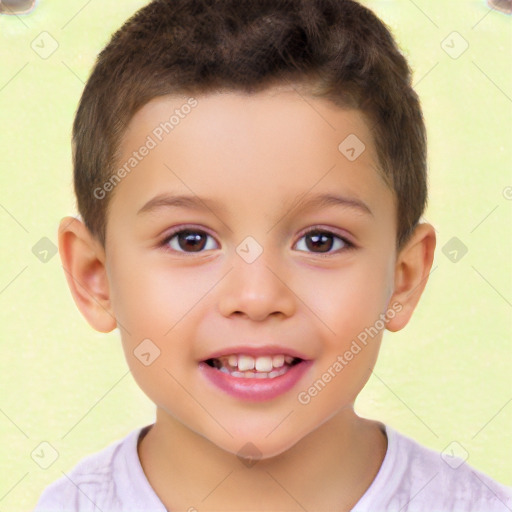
(253,389)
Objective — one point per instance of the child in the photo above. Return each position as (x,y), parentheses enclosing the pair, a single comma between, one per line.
(283,141)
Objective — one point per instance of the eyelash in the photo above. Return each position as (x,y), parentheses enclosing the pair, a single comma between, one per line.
(348,245)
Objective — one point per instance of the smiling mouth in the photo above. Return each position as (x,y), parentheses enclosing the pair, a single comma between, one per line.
(248,367)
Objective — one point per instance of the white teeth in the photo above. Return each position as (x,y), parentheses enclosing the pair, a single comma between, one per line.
(245,363)
(263,364)
(277,361)
(256,375)
(262,367)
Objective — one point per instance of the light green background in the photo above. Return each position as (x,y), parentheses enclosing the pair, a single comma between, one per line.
(445,378)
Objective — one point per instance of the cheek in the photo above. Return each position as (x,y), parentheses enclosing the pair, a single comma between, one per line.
(349,300)
(153,306)
(152,300)
(157,308)
(348,305)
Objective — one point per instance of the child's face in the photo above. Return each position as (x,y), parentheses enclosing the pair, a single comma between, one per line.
(250,159)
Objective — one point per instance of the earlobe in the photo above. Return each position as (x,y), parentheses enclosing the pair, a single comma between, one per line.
(83,260)
(412,269)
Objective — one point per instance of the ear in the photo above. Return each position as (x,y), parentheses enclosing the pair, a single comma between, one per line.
(412,269)
(83,260)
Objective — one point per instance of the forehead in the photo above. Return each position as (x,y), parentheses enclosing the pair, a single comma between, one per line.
(236,147)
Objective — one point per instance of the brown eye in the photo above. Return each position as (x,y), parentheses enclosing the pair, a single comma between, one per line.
(322,242)
(188,240)
(319,241)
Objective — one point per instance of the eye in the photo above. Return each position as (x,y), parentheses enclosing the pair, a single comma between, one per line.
(316,240)
(189,238)
(321,241)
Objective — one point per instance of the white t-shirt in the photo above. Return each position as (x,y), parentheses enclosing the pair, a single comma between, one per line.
(412,478)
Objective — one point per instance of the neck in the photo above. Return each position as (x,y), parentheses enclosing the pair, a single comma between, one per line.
(329,469)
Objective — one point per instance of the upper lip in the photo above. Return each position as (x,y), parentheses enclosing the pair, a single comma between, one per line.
(248,350)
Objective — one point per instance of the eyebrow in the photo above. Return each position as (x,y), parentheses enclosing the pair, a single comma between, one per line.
(180,201)
(201,204)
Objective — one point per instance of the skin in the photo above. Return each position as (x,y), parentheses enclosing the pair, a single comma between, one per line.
(255,155)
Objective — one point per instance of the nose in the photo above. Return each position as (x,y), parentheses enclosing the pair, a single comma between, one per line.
(257,290)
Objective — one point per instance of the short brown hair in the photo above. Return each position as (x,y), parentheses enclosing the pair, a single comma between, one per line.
(338,49)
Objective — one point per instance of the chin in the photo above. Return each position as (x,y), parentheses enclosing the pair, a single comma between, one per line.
(257,446)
